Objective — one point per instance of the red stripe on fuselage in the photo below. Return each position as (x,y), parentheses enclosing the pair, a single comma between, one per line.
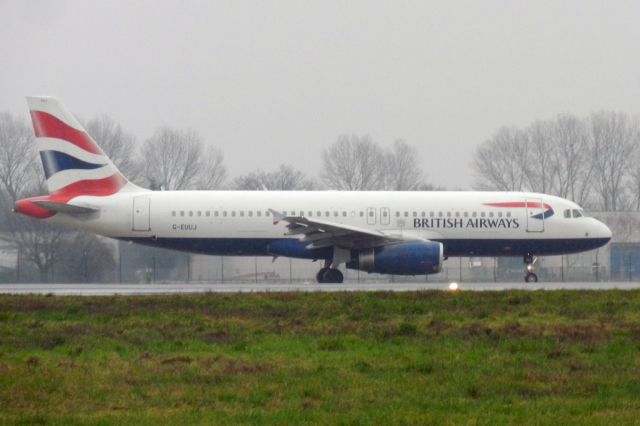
(521,204)
(48,126)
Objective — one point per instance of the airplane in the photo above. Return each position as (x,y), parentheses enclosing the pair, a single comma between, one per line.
(400,233)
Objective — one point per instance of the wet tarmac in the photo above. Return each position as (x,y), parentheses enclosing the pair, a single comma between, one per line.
(186,288)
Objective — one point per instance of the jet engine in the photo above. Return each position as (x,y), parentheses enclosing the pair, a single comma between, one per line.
(411,258)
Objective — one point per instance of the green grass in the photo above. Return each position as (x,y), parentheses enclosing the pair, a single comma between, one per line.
(348,358)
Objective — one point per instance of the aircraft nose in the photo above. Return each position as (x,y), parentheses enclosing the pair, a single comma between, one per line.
(604,231)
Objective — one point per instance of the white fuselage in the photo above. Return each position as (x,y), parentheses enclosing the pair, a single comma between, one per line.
(242,222)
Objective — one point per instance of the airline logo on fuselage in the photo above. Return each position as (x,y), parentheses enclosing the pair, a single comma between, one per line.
(536,209)
(466,223)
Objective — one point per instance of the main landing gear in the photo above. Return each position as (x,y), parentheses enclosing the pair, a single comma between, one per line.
(530,276)
(329,274)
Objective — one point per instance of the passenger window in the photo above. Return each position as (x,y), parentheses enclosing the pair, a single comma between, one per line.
(384,213)
(397,214)
(293,213)
(259,213)
(181,212)
(250,213)
(207,213)
(335,213)
(199,213)
(301,214)
(448,214)
(423,214)
(466,214)
(440,214)
(319,214)
(173,213)
(415,214)
(215,213)
(267,213)
(310,213)
(577,213)
(327,214)
(344,214)
(457,214)
(224,213)
(482,214)
(490,214)
(406,214)
(233,213)
(567,213)
(508,214)
(190,212)
(499,214)
(431,214)
(371,213)
(474,214)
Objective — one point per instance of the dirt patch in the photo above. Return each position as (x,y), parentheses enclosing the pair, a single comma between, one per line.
(587,334)
(181,359)
(237,366)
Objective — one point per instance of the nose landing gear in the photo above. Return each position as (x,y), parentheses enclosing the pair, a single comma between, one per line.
(530,276)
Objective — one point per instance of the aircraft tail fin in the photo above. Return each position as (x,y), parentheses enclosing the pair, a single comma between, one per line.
(74,165)
(73,162)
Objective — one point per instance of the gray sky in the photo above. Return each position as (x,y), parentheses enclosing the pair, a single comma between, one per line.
(273,82)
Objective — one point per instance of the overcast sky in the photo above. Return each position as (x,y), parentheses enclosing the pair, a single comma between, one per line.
(273,82)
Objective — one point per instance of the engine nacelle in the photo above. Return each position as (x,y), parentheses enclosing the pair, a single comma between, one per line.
(412,258)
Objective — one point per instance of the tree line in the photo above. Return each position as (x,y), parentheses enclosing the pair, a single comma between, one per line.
(594,160)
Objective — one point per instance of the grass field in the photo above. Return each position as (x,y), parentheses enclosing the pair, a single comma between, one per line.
(350,358)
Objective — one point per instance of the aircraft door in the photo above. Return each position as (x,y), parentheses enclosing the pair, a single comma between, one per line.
(385,216)
(535,215)
(371,215)
(141,213)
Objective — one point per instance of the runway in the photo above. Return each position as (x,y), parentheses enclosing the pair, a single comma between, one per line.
(189,288)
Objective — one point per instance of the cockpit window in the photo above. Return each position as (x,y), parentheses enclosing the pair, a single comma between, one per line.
(567,213)
(577,213)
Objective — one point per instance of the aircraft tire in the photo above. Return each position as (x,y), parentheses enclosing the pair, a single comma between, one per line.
(531,278)
(320,275)
(330,276)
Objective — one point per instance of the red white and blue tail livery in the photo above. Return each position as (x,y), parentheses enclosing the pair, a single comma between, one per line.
(402,233)
(73,163)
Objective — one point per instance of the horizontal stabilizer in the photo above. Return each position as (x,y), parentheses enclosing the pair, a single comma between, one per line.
(64,208)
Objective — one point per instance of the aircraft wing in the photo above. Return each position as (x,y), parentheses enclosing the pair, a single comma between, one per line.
(320,233)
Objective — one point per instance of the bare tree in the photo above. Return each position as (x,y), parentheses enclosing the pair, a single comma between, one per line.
(540,172)
(572,164)
(286,178)
(354,163)
(614,143)
(548,156)
(501,162)
(87,259)
(212,171)
(38,242)
(119,146)
(403,168)
(635,182)
(178,159)
(17,155)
